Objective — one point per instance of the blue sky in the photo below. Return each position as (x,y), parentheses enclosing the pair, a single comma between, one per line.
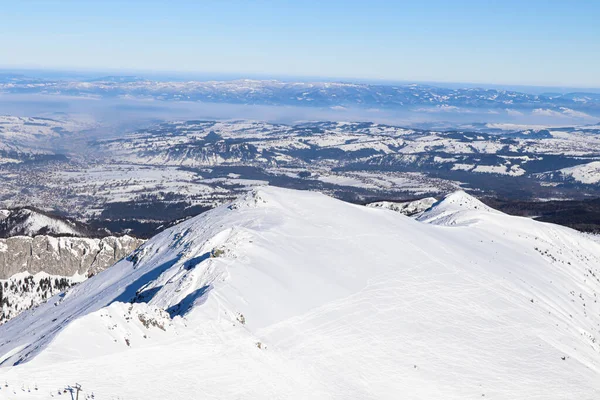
(530,42)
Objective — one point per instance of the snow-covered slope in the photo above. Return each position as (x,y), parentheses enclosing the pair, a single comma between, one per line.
(25,136)
(288,294)
(585,173)
(454,209)
(408,207)
(23,291)
(29,222)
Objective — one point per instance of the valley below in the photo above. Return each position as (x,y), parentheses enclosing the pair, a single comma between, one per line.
(149,178)
(169,240)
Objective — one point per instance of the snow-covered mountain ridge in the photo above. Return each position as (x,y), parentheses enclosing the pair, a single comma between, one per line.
(30,222)
(408,208)
(288,294)
(316,94)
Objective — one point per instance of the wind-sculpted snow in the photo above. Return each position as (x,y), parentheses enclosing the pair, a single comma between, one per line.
(291,294)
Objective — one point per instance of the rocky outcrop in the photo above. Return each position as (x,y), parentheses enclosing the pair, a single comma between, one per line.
(62,256)
(409,208)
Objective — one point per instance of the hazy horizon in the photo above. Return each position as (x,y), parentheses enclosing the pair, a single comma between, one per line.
(534,43)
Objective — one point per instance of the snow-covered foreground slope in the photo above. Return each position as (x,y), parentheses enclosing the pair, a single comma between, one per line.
(287,294)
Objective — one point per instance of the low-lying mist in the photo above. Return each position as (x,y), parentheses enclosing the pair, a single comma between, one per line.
(115,116)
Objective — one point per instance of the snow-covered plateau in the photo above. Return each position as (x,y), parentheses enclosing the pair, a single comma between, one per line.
(287,294)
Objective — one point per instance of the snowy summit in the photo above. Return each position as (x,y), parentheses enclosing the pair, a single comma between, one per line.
(295,295)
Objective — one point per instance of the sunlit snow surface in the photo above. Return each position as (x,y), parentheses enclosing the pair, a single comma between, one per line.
(287,294)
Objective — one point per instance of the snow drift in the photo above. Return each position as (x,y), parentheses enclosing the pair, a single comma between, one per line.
(290,294)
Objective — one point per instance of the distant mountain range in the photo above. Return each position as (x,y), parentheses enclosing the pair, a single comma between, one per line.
(312,94)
